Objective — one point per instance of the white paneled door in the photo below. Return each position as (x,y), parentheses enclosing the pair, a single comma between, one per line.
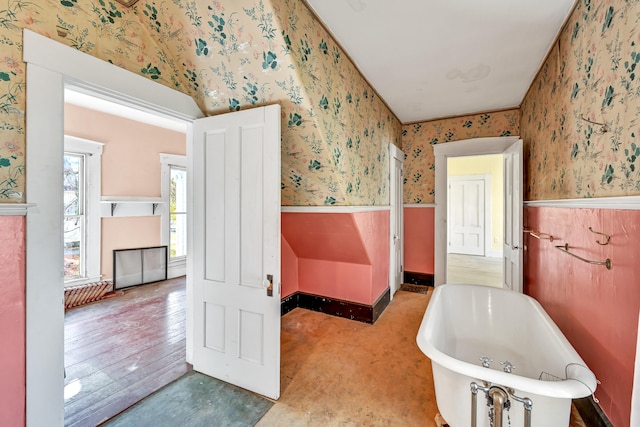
(467,215)
(512,250)
(236,248)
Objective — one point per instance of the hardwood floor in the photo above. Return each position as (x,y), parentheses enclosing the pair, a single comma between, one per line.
(122,349)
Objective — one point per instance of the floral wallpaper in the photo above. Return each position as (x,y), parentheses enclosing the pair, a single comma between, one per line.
(581,117)
(417,138)
(227,55)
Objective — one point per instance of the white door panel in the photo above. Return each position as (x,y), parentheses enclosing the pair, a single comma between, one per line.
(467,215)
(512,250)
(236,224)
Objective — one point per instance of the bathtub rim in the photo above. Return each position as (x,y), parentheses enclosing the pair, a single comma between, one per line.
(582,384)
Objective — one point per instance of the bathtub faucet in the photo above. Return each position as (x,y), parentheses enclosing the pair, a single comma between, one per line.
(486,361)
(507,366)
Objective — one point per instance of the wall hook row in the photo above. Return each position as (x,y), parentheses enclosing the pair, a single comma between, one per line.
(608,237)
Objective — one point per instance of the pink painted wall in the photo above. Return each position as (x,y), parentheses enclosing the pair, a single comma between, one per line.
(339,255)
(374,230)
(596,308)
(289,269)
(12,321)
(419,239)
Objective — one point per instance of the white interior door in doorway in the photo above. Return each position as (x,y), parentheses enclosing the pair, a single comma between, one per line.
(512,251)
(396,177)
(466,214)
(236,252)
(477,147)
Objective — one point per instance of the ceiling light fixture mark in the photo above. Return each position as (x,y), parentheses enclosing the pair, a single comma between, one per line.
(357,5)
(479,72)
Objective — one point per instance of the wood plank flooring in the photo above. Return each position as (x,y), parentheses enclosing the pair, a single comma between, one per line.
(473,269)
(122,349)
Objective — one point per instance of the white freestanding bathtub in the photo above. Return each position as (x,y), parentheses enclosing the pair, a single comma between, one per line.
(464,323)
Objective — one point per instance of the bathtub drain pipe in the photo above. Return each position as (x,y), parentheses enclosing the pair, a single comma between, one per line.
(499,398)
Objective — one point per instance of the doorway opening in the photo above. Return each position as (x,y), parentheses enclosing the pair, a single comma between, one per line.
(121,193)
(475,219)
(52,67)
(511,149)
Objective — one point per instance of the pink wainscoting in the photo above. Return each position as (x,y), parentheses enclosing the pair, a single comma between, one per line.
(596,308)
(374,230)
(12,321)
(288,270)
(418,239)
(339,255)
(333,279)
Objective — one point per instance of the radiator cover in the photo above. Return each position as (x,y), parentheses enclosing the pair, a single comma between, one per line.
(138,266)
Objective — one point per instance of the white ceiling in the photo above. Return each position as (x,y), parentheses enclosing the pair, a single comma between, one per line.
(438,58)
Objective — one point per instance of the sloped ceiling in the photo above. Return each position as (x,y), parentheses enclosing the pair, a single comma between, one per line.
(440,58)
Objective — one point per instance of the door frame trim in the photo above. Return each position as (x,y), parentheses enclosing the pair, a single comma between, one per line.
(466,147)
(394,153)
(52,66)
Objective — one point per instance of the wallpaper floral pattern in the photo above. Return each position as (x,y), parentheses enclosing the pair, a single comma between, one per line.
(228,55)
(417,139)
(591,75)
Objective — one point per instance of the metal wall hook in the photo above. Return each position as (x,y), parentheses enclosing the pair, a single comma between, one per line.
(602,234)
(538,235)
(565,248)
(603,126)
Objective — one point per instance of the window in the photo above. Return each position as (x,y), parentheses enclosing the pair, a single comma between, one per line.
(74,216)
(178,212)
(174,212)
(81,180)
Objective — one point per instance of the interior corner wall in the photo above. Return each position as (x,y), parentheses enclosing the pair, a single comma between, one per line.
(374,230)
(338,255)
(130,168)
(288,270)
(12,321)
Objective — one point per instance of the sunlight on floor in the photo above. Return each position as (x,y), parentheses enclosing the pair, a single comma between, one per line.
(72,388)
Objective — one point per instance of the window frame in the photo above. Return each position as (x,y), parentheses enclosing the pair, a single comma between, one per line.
(91,235)
(176,266)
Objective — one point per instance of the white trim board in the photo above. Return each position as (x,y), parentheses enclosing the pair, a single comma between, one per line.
(15,209)
(622,202)
(332,209)
(420,205)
